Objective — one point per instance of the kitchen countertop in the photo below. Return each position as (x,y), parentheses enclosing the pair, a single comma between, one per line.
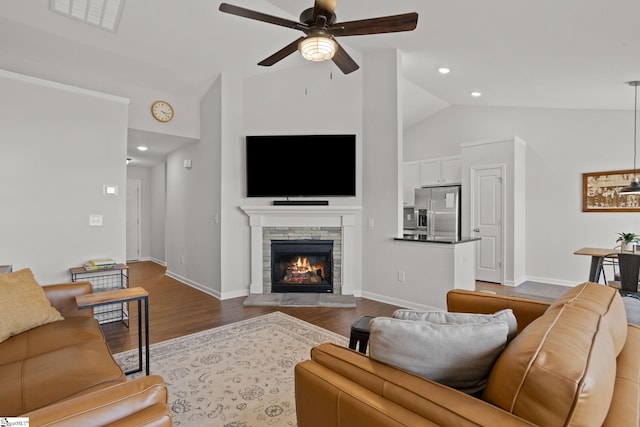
(442,240)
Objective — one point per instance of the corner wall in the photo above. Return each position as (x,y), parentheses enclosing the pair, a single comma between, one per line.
(60,146)
(382,156)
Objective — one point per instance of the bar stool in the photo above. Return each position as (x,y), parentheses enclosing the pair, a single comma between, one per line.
(360,334)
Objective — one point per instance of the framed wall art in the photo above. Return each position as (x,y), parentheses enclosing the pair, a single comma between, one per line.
(601,192)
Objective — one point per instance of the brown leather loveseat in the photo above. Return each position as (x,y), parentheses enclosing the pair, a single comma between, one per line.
(63,374)
(574,362)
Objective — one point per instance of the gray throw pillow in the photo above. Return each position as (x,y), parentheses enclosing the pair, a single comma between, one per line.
(461,318)
(460,356)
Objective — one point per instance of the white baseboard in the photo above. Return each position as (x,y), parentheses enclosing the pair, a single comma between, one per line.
(398,302)
(552,281)
(234,294)
(194,284)
(158,261)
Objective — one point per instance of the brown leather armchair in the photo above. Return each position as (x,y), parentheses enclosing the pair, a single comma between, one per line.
(574,362)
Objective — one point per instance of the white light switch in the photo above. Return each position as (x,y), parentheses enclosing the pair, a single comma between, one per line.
(95,220)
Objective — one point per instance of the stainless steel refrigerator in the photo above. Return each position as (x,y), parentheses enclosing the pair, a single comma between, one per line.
(437,211)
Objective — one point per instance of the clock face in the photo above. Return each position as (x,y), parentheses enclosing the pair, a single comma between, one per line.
(162,111)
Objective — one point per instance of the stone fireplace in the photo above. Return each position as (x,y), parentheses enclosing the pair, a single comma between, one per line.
(302,251)
(301,266)
(305,226)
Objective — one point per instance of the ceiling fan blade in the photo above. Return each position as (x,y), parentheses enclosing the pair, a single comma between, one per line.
(259,16)
(325,8)
(386,24)
(344,61)
(281,54)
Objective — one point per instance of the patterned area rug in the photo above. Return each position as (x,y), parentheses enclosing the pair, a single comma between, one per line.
(238,375)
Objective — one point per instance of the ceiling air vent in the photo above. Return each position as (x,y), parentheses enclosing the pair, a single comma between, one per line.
(104,14)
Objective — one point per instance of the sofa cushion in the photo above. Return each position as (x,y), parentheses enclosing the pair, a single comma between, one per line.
(457,355)
(68,371)
(602,301)
(460,318)
(561,369)
(50,337)
(23,305)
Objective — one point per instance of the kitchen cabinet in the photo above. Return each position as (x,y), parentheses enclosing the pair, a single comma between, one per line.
(451,170)
(410,181)
(440,171)
(429,172)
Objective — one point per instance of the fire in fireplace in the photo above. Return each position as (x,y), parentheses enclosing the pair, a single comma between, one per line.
(301,266)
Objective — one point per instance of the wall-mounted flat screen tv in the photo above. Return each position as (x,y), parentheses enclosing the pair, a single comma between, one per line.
(301,166)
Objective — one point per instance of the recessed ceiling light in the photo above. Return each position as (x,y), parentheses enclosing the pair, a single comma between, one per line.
(104,14)
(444,70)
(475,93)
(142,148)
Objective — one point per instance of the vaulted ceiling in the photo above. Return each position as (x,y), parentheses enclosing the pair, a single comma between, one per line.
(545,53)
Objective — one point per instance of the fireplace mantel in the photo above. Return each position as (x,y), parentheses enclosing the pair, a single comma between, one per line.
(302,216)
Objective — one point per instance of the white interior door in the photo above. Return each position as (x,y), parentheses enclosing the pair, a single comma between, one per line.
(133,220)
(487,206)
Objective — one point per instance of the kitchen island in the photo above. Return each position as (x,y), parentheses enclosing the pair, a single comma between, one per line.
(429,267)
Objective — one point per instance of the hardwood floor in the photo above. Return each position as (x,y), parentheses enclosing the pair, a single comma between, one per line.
(176,309)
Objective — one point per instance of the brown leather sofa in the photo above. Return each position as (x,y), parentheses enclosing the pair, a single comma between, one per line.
(574,362)
(63,374)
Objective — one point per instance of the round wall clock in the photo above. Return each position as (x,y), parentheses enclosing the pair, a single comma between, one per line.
(162,111)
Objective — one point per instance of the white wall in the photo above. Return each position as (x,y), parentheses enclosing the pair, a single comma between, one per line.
(158,190)
(234,236)
(144,176)
(382,156)
(190,236)
(561,145)
(60,145)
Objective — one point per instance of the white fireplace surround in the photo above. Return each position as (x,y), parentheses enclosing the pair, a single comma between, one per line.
(302,216)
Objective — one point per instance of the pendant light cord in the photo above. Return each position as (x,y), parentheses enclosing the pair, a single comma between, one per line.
(635,130)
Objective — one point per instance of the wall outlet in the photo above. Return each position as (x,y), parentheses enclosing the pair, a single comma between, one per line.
(181,259)
(401,276)
(371,223)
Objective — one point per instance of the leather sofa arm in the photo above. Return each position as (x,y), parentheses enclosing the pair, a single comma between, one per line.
(63,297)
(524,309)
(139,402)
(343,387)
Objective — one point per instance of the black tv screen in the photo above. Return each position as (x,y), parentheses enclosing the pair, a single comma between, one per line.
(301,165)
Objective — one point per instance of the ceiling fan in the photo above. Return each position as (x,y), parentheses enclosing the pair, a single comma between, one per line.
(320,28)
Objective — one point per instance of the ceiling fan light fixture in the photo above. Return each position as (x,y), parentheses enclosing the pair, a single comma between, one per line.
(317,48)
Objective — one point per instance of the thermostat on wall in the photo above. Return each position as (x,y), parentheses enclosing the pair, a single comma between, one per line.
(110,190)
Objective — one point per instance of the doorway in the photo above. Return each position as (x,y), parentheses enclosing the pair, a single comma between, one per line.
(133,220)
(487,204)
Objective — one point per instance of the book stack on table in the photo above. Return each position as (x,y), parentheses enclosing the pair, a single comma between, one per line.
(100,264)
